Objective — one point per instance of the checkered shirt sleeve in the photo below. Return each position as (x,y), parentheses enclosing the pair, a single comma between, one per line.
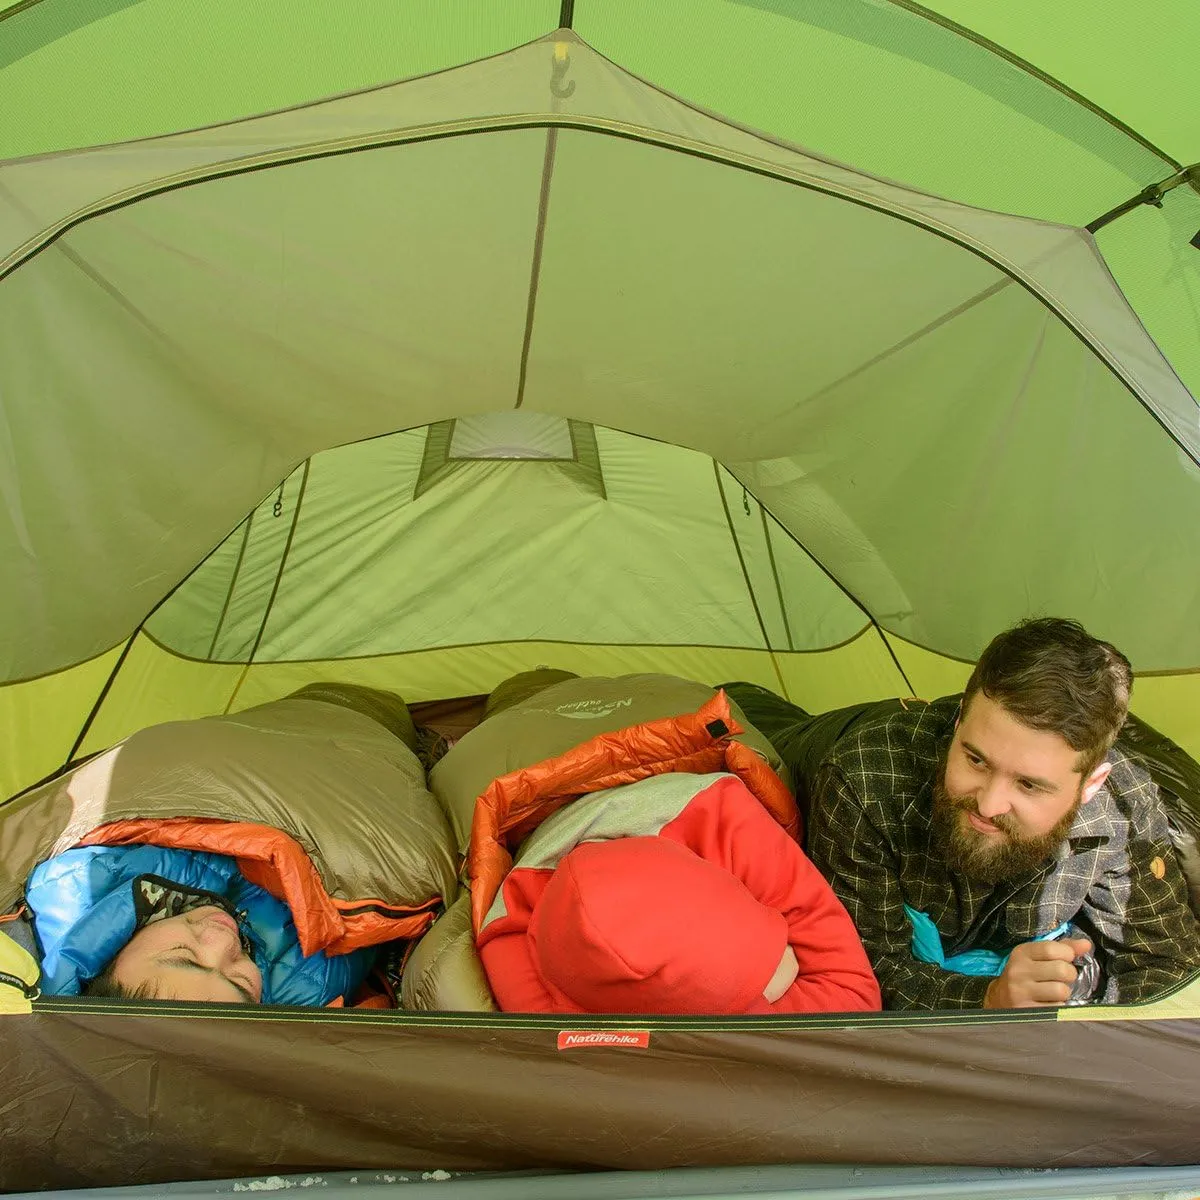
(1137,907)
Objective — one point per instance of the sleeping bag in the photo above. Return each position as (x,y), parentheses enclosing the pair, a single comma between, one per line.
(540,752)
(316,800)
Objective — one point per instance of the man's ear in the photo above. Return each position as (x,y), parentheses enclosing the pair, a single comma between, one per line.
(1094,782)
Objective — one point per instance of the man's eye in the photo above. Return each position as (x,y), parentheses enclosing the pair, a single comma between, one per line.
(1027,785)
(973,759)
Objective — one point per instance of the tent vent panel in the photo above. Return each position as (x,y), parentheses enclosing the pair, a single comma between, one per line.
(512,437)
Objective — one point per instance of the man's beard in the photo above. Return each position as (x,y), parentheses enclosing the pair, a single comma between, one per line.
(988,858)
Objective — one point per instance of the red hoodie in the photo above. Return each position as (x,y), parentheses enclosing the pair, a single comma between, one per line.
(692,920)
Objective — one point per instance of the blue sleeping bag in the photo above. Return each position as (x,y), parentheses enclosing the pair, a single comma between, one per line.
(82,903)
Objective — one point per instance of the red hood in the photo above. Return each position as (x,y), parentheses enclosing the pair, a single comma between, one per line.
(645,925)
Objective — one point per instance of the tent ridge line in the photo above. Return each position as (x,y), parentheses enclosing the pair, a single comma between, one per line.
(233,578)
(737,546)
(91,658)
(299,106)
(702,151)
(1023,64)
(388,654)
(289,156)
(535,268)
(787,625)
(912,338)
(283,558)
(100,698)
(873,624)
(20,7)
(608,126)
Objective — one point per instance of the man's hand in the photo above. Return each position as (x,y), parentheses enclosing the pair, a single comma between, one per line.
(1037,973)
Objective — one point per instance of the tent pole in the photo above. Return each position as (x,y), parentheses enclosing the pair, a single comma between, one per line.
(829,575)
(287,548)
(1149,195)
(535,270)
(112,678)
(737,546)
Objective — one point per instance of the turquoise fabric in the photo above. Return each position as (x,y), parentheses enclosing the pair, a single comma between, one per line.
(927,948)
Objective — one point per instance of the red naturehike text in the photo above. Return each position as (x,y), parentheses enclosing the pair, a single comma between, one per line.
(622,1039)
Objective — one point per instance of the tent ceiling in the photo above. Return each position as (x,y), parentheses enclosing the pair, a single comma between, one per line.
(237,299)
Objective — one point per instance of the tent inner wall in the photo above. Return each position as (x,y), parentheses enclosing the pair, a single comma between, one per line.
(353,570)
(743,297)
(360,568)
(762,303)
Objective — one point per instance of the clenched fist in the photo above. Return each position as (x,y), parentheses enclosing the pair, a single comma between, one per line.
(1037,973)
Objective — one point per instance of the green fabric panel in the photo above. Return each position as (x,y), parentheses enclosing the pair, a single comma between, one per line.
(1023,477)
(884,90)
(860,670)
(208,338)
(217,612)
(1150,255)
(504,551)
(110,70)
(41,718)
(717,299)
(154,686)
(306,332)
(1136,61)
(797,603)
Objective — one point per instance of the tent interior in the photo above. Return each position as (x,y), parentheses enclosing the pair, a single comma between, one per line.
(534,357)
(805,342)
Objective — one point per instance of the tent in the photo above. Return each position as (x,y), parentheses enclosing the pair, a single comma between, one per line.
(799,341)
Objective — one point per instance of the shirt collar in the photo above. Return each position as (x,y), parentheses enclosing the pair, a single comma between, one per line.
(1098,818)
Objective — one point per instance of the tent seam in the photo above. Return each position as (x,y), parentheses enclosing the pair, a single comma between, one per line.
(737,546)
(283,558)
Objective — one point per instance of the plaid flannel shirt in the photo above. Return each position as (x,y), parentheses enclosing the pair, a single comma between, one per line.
(1116,876)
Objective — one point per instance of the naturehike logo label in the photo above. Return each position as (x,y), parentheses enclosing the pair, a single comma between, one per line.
(590,710)
(622,1039)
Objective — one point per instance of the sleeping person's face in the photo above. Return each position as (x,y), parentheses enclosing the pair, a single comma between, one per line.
(197,955)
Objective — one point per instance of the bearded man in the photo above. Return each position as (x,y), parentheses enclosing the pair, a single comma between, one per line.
(997,849)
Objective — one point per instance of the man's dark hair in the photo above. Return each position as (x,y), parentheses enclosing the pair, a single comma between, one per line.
(1051,674)
(105,987)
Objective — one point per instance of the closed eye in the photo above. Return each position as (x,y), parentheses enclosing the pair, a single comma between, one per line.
(186,960)
(247,994)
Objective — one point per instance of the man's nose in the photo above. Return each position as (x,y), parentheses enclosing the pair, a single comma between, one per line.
(218,945)
(993,799)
